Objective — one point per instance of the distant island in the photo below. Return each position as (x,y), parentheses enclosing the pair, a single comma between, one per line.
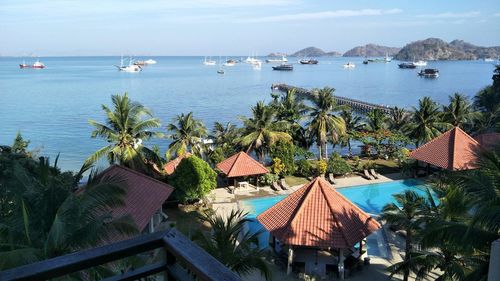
(371,50)
(437,49)
(427,49)
(315,52)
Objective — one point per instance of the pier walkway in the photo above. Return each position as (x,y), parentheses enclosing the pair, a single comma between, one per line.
(356,105)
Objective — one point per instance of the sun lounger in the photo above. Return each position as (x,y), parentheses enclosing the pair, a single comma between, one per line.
(275,186)
(367,175)
(374,174)
(331,179)
(284,185)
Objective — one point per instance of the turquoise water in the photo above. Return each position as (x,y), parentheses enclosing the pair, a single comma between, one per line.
(371,198)
(52,106)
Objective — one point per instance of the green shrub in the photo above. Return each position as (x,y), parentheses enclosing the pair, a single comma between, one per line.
(268,179)
(285,151)
(278,167)
(338,166)
(193,179)
(304,168)
(321,167)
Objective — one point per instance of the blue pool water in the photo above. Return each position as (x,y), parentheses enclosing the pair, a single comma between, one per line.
(370,197)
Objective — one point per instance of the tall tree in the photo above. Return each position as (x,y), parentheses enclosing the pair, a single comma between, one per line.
(290,110)
(187,135)
(407,214)
(426,122)
(459,112)
(376,120)
(353,124)
(232,245)
(20,145)
(261,131)
(398,119)
(323,123)
(125,130)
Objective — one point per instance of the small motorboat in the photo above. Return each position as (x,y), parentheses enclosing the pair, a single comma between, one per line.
(420,63)
(38,65)
(220,71)
(230,62)
(349,65)
(365,61)
(257,65)
(150,61)
(308,61)
(283,59)
(24,65)
(429,73)
(407,65)
(283,67)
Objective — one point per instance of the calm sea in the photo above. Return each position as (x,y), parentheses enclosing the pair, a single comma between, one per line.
(51,106)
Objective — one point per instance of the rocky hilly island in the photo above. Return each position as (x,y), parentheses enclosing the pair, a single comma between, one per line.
(371,50)
(437,49)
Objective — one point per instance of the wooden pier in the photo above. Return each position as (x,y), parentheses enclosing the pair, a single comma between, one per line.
(356,105)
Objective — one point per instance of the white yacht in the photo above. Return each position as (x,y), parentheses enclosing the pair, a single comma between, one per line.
(283,59)
(420,63)
(150,61)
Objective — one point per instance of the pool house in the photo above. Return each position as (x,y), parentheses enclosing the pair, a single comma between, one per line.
(239,167)
(318,230)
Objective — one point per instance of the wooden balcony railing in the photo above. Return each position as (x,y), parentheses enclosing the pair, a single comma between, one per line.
(183,260)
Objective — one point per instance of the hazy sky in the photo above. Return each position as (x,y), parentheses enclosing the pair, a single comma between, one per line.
(239,27)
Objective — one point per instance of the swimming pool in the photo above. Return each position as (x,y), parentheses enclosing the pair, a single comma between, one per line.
(371,198)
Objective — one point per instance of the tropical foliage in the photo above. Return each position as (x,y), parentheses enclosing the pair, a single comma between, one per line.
(232,245)
(125,130)
(187,135)
(42,217)
(193,179)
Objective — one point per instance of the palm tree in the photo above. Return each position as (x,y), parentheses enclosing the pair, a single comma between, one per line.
(352,124)
(487,101)
(232,245)
(125,130)
(186,135)
(48,219)
(261,131)
(323,122)
(407,214)
(290,110)
(459,112)
(426,122)
(376,120)
(224,135)
(398,119)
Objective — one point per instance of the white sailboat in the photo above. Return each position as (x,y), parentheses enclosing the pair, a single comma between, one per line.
(209,61)
(387,58)
(131,67)
(420,63)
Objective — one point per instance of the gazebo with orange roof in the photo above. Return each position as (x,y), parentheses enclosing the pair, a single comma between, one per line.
(241,165)
(453,150)
(317,216)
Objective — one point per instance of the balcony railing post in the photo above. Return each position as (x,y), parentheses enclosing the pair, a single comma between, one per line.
(171,260)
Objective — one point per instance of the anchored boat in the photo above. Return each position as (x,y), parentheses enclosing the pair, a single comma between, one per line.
(407,65)
(309,61)
(283,67)
(429,73)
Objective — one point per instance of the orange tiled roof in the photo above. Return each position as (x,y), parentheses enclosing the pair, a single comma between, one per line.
(170,166)
(316,215)
(453,150)
(144,197)
(241,164)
